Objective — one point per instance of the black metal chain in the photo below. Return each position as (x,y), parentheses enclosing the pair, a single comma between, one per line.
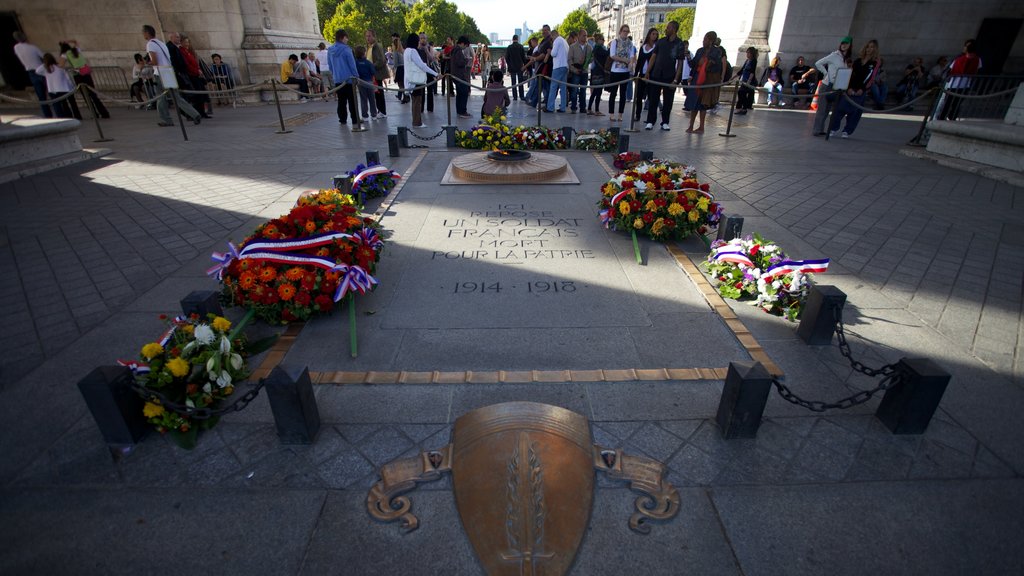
(425,138)
(890,373)
(199,413)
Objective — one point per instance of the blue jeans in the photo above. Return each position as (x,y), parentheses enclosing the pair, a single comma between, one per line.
(851,112)
(774,89)
(39,85)
(558,78)
(879,92)
(578,95)
(534,92)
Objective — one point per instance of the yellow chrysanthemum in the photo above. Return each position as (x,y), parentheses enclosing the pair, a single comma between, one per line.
(152,350)
(151,410)
(609,189)
(188,328)
(691,195)
(658,225)
(624,208)
(650,206)
(693,216)
(638,223)
(675,209)
(178,367)
(702,204)
(221,323)
(666,181)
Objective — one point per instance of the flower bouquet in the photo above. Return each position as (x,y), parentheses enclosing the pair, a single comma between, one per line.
(494,134)
(626,160)
(303,262)
(662,200)
(596,140)
(193,366)
(372,181)
(539,138)
(758,268)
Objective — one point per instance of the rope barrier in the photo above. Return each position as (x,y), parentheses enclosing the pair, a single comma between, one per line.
(886,110)
(110,99)
(66,95)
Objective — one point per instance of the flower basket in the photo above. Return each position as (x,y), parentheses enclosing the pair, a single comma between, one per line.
(626,160)
(596,141)
(758,269)
(372,181)
(494,134)
(189,372)
(661,200)
(304,262)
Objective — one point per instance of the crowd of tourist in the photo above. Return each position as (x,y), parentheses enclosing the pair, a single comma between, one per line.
(553,73)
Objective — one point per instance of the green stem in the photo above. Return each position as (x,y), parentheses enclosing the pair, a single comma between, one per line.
(636,248)
(707,243)
(353,344)
(237,330)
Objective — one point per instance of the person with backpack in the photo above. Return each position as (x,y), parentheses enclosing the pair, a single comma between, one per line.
(829,66)
(709,64)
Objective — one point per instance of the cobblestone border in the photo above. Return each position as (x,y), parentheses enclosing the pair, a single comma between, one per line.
(519,376)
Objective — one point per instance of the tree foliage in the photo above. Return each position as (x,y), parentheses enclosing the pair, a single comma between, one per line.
(440,19)
(685,18)
(576,20)
(471,30)
(358,16)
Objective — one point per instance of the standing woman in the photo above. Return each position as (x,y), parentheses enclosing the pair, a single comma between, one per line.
(622,54)
(597,75)
(398,57)
(416,74)
(865,69)
(485,65)
(58,84)
(201,102)
(79,64)
(745,97)
(643,57)
(708,65)
(829,66)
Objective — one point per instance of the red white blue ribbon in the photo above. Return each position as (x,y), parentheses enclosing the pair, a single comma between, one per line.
(353,278)
(275,250)
(791,266)
(605,218)
(735,255)
(222,260)
(369,237)
(295,259)
(373,171)
(135,367)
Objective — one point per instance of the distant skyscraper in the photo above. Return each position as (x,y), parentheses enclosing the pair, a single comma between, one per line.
(519,32)
(494,38)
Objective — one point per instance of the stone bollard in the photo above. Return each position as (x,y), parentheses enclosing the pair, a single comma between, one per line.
(201,303)
(116,408)
(730,227)
(294,405)
(342,183)
(908,406)
(393,146)
(567,134)
(647,155)
(449,136)
(744,396)
(818,322)
(372,157)
(623,143)
(403,137)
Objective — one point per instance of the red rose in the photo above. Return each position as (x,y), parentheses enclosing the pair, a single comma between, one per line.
(755,249)
(324,302)
(328,287)
(287,315)
(713,208)
(303,298)
(739,285)
(670,223)
(660,202)
(648,217)
(634,206)
(705,187)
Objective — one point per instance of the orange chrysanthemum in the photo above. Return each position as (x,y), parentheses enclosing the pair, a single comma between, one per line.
(247,279)
(268,274)
(286,291)
(294,273)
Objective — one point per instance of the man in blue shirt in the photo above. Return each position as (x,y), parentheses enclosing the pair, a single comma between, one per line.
(343,67)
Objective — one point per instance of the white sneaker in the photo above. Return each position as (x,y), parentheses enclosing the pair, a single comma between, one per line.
(648,126)
(832,133)
(844,135)
(665,127)
(381,115)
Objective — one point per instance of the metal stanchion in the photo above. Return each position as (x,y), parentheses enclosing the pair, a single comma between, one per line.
(636,102)
(177,110)
(732,110)
(277,102)
(448,98)
(357,124)
(916,140)
(540,101)
(95,114)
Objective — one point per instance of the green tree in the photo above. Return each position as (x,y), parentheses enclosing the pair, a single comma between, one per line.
(438,18)
(576,20)
(685,18)
(470,29)
(358,16)
(325,10)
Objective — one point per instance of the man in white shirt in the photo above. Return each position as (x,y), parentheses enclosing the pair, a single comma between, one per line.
(160,56)
(325,67)
(31,58)
(559,71)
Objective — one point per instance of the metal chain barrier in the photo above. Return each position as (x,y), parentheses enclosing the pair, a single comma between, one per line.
(198,413)
(890,373)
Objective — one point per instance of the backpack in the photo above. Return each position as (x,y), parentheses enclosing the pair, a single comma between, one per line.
(727,73)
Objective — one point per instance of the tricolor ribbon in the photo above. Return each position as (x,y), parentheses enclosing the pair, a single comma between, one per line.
(735,255)
(373,171)
(222,260)
(791,266)
(369,237)
(296,259)
(273,251)
(605,218)
(353,278)
(135,367)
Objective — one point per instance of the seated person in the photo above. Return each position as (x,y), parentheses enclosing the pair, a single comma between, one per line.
(496,95)
(911,81)
(294,72)
(802,77)
(937,73)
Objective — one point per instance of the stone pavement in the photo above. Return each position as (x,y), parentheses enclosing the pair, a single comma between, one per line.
(931,259)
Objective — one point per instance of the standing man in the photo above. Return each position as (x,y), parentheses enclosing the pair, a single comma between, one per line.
(665,65)
(31,58)
(446,64)
(579,59)
(540,60)
(462,61)
(325,68)
(559,71)
(375,54)
(515,59)
(343,66)
(160,56)
(429,57)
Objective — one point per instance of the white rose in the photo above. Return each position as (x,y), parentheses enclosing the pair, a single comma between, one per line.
(204,334)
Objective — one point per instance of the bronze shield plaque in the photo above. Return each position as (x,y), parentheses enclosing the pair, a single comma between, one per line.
(523,479)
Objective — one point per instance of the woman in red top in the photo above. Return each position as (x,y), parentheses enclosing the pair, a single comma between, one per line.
(195,74)
(965,65)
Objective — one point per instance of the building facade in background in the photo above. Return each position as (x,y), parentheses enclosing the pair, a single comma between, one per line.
(639,15)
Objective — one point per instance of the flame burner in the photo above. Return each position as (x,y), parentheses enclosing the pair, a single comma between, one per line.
(509,155)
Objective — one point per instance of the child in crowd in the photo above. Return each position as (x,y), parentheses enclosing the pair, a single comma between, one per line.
(366,70)
(58,84)
(496,96)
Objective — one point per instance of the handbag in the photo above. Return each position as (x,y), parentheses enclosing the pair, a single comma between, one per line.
(85,70)
(413,75)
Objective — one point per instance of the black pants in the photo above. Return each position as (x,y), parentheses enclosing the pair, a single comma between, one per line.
(378,97)
(302,84)
(745,98)
(594,103)
(640,93)
(516,77)
(663,94)
(347,97)
(96,102)
(461,98)
(620,89)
